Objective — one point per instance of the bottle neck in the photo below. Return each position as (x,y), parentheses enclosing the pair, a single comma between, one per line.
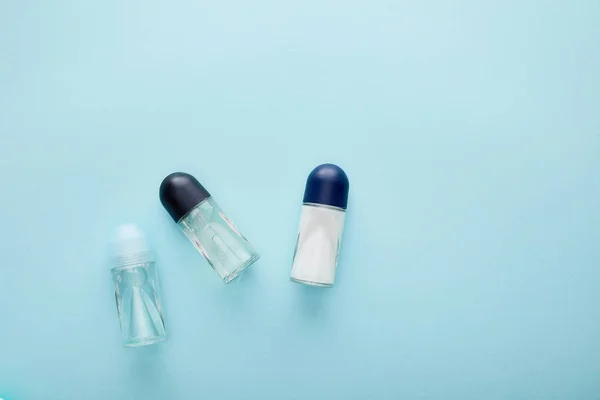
(324,206)
(130,260)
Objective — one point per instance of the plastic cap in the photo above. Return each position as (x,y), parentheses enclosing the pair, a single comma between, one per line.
(130,245)
(180,193)
(327,184)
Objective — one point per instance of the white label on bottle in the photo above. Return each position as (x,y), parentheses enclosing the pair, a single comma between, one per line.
(318,244)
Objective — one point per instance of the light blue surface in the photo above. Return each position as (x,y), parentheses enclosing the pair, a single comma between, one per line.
(470,268)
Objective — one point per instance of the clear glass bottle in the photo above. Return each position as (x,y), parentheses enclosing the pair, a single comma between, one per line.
(211,232)
(321,226)
(137,291)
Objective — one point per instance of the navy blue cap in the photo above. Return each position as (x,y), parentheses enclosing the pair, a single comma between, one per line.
(179,193)
(327,184)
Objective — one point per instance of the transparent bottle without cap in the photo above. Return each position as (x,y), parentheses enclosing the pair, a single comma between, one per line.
(137,290)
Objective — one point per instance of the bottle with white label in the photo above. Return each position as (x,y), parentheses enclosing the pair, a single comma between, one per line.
(321,226)
(205,224)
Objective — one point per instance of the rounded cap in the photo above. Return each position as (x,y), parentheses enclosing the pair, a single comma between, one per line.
(181,192)
(129,245)
(327,184)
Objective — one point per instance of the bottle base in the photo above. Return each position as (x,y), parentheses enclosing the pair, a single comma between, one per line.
(245,266)
(311,283)
(145,342)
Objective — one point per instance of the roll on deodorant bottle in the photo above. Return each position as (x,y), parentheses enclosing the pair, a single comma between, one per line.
(137,291)
(321,225)
(208,228)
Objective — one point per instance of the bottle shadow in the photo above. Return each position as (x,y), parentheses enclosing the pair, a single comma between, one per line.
(312,301)
(149,373)
(237,294)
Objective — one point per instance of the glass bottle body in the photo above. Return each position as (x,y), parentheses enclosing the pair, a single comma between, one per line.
(318,245)
(139,307)
(216,237)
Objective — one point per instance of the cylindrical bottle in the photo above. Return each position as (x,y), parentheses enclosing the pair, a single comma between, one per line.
(137,291)
(208,228)
(321,226)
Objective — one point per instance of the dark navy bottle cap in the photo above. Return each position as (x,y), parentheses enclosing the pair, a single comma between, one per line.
(327,184)
(180,193)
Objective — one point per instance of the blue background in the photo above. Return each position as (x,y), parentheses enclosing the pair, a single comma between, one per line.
(470,131)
